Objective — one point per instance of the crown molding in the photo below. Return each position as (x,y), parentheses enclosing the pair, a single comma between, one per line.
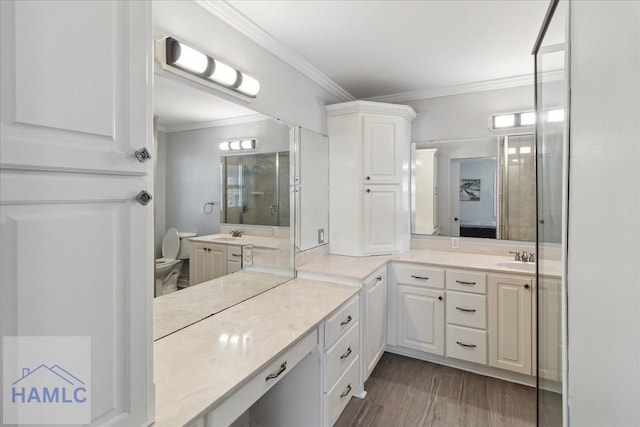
(495,84)
(216,123)
(369,107)
(248,28)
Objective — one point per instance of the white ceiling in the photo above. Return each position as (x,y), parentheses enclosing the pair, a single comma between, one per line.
(378,48)
(374,48)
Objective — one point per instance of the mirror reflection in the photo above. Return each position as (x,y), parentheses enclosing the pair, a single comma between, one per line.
(222,214)
(482,188)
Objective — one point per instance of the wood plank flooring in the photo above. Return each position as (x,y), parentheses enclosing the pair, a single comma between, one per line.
(409,392)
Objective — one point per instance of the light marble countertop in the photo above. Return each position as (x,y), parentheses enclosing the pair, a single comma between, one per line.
(196,368)
(246,239)
(179,309)
(358,268)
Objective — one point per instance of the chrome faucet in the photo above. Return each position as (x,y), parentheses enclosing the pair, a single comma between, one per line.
(524,256)
(236,233)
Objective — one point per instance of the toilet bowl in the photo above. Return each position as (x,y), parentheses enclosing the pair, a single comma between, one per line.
(175,249)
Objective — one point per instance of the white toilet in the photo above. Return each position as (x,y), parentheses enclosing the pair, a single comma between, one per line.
(175,248)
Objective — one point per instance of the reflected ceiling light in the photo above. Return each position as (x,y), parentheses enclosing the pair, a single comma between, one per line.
(525,150)
(184,57)
(554,116)
(504,121)
(248,144)
(527,119)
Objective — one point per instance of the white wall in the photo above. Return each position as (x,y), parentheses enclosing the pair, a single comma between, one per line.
(604,215)
(160,192)
(285,92)
(193,170)
(467,115)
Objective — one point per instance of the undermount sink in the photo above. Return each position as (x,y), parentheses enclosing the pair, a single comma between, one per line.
(227,239)
(518,265)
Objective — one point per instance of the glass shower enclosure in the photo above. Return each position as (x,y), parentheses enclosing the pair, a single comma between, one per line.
(551,54)
(255,189)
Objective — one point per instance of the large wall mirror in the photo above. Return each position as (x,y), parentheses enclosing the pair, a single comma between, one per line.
(481,188)
(223,207)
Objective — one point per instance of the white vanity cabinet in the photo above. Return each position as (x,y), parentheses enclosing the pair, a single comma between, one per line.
(369,157)
(374,320)
(207,261)
(419,308)
(510,322)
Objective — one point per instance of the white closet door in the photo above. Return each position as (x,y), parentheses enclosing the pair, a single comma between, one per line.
(77,249)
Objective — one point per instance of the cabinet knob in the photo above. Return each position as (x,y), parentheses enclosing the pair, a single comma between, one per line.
(440,298)
(379,278)
(526,286)
(368,190)
(368,178)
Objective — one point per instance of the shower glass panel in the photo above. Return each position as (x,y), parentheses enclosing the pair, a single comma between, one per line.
(256,189)
(551,92)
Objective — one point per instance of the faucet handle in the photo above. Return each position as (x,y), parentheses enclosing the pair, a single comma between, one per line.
(532,257)
(517,255)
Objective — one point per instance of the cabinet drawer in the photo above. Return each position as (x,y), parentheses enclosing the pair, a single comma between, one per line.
(467,344)
(341,392)
(417,275)
(234,253)
(340,356)
(341,321)
(467,281)
(467,309)
(247,394)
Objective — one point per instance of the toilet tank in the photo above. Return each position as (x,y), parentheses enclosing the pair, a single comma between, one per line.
(183,253)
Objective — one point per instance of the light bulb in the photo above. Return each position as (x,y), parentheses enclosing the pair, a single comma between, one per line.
(248,144)
(249,85)
(191,59)
(224,146)
(235,145)
(224,74)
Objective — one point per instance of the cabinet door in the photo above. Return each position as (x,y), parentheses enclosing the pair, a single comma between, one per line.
(382,160)
(375,321)
(421,319)
(550,329)
(77,248)
(216,262)
(382,208)
(510,323)
(197,263)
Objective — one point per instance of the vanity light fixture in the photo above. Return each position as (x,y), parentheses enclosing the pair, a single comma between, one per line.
(181,56)
(239,145)
(514,120)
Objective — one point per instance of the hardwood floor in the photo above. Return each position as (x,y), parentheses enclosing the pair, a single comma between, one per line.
(409,392)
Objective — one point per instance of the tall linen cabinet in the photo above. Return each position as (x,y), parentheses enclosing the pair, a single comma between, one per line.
(369,154)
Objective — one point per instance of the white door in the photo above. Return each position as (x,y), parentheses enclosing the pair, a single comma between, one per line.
(77,248)
(549,329)
(381,208)
(376,321)
(421,319)
(509,305)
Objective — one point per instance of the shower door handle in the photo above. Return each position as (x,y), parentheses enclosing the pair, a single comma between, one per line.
(273,209)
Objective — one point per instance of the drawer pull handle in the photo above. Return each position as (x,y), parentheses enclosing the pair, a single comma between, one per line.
(237,255)
(346,354)
(346,322)
(379,278)
(465,283)
(283,368)
(346,392)
(466,310)
(466,345)
(420,277)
